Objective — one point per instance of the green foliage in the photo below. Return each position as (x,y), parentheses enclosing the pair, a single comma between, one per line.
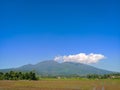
(12,75)
(1,75)
(105,76)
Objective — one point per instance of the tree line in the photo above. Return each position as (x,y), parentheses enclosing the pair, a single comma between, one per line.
(105,76)
(89,76)
(12,75)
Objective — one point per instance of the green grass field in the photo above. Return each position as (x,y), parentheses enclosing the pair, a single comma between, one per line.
(60,84)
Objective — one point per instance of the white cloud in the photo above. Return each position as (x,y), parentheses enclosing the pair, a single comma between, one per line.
(80,58)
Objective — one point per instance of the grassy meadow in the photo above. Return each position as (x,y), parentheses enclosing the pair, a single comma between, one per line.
(61,84)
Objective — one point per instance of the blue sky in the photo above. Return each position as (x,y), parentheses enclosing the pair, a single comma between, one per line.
(35,30)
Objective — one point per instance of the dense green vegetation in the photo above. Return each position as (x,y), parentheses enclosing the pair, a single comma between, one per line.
(89,76)
(12,75)
(105,76)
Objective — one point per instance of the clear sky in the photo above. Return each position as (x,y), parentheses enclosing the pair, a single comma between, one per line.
(35,30)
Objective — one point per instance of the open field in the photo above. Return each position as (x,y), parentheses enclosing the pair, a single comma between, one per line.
(60,84)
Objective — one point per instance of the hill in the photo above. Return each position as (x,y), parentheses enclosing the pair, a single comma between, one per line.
(54,68)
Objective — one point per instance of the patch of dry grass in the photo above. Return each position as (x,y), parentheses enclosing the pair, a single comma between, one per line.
(61,85)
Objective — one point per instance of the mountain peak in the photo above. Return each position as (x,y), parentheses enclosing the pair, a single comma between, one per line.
(51,67)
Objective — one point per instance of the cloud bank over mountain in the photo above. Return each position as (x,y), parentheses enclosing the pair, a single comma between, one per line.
(80,58)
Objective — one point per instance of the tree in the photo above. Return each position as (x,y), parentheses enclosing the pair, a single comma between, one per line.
(18,76)
(6,76)
(1,76)
(32,76)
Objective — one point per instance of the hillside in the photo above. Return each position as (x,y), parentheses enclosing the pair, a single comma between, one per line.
(54,68)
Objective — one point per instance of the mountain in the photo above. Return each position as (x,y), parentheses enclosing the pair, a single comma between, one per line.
(54,68)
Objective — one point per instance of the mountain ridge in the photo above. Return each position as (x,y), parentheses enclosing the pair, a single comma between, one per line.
(51,67)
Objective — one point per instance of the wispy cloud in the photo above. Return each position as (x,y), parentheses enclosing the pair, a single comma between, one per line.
(80,58)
